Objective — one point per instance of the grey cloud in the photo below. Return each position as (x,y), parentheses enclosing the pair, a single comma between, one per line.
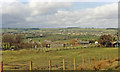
(54,15)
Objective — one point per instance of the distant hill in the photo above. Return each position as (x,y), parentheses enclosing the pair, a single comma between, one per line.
(25,29)
(72,27)
(111,28)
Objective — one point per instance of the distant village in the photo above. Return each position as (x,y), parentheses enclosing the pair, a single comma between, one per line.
(71,38)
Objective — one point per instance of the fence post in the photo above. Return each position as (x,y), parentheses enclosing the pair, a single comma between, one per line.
(50,68)
(94,59)
(83,60)
(89,60)
(63,64)
(30,65)
(1,66)
(74,63)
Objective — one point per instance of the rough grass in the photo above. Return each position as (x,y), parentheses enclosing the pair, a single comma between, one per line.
(19,60)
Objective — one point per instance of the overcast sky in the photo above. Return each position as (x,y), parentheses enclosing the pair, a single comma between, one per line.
(29,14)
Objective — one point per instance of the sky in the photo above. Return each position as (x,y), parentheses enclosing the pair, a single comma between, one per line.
(34,14)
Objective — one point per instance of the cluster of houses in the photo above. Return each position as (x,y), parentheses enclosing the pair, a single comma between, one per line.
(50,44)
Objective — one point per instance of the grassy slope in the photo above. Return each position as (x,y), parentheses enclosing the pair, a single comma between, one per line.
(20,59)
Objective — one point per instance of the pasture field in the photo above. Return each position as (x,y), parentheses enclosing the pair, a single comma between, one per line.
(60,34)
(20,59)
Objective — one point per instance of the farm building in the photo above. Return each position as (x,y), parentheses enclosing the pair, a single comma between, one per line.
(83,42)
(115,43)
(57,44)
(53,44)
(96,42)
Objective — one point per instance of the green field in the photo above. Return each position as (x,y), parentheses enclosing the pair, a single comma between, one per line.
(19,60)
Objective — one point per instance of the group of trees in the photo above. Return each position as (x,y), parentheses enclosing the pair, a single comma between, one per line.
(11,41)
(16,42)
(106,40)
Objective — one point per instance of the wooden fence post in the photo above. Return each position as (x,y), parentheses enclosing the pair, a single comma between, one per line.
(74,63)
(1,66)
(30,65)
(89,60)
(94,59)
(83,60)
(50,68)
(63,64)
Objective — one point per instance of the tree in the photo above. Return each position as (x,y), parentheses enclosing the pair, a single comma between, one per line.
(19,42)
(72,42)
(105,40)
(19,39)
(8,39)
(91,41)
